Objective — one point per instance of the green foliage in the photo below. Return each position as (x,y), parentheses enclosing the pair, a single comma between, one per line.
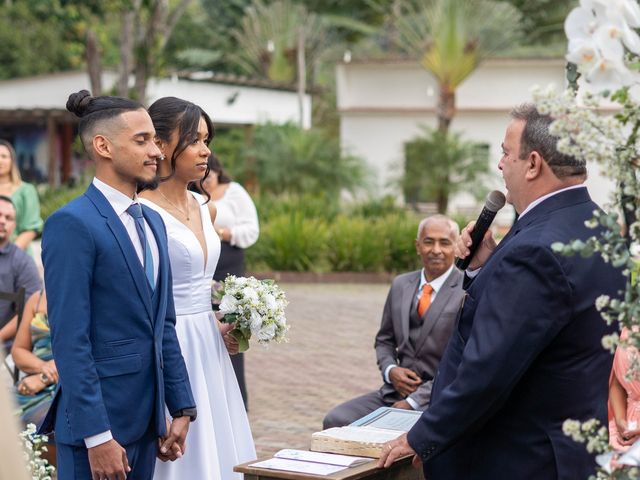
(399,232)
(287,159)
(543,20)
(32,43)
(203,51)
(354,245)
(292,160)
(438,165)
(451,37)
(360,244)
(267,39)
(308,205)
(291,242)
(230,146)
(349,16)
(52,199)
(377,207)
(307,233)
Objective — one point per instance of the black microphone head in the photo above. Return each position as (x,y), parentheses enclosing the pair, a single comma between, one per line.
(495,201)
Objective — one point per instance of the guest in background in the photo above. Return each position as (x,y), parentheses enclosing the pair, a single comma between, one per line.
(24,196)
(624,398)
(32,354)
(17,270)
(236,223)
(417,321)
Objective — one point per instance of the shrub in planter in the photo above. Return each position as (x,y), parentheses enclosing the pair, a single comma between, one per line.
(399,231)
(292,243)
(355,245)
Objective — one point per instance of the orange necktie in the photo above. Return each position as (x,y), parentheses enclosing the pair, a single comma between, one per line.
(425,299)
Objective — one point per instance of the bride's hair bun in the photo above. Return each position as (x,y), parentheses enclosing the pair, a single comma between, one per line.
(78,102)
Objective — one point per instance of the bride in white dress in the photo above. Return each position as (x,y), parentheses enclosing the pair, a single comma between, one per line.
(220,438)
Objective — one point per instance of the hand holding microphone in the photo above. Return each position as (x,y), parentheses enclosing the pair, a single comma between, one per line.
(475,244)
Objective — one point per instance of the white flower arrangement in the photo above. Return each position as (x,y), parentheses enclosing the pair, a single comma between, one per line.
(256,307)
(601,33)
(604,45)
(34,445)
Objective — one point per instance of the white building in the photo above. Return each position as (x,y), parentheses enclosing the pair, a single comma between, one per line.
(33,115)
(383,103)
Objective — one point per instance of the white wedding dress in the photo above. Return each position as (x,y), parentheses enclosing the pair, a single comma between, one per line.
(220,438)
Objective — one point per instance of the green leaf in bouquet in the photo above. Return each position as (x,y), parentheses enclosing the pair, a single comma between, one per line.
(243,341)
(229,318)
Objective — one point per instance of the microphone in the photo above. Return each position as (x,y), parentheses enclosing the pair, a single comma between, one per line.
(495,201)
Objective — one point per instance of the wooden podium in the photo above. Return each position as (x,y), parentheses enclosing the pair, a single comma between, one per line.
(400,470)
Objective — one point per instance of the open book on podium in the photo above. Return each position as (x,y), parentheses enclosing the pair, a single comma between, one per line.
(365,437)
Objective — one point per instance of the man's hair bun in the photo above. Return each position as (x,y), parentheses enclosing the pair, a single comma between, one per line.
(78,102)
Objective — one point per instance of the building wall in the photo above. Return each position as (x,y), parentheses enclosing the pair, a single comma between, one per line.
(382,105)
(227,104)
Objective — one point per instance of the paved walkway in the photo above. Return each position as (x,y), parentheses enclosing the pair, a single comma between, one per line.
(329,359)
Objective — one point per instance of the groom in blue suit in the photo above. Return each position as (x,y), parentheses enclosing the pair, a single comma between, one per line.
(526,354)
(111,310)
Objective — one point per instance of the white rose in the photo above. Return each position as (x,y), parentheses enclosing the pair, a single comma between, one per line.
(270,302)
(256,322)
(228,304)
(250,294)
(266,333)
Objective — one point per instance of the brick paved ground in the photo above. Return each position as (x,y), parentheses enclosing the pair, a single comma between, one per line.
(329,359)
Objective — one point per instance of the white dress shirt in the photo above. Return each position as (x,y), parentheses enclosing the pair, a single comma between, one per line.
(120,202)
(237,213)
(436,284)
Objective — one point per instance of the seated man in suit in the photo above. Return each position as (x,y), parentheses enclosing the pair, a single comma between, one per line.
(417,321)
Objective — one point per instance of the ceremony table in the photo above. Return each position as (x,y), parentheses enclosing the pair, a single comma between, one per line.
(400,470)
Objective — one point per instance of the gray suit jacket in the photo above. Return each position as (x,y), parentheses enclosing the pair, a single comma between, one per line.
(392,341)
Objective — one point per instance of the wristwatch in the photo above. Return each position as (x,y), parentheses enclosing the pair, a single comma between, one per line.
(192,413)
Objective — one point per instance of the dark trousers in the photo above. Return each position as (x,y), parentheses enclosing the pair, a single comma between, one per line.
(232,263)
(73,462)
(351,410)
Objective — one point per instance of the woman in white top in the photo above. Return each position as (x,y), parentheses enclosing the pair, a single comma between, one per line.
(236,222)
(221,437)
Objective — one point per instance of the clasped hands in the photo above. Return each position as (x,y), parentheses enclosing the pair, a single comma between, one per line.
(404,380)
(626,435)
(108,461)
(36,382)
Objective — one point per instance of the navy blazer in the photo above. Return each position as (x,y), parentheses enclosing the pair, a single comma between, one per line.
(526,355)
(116,349)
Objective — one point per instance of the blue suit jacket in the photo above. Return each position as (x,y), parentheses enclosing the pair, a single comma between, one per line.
(115,349)
(526,355)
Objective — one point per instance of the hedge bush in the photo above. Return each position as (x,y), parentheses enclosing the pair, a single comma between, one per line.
(294,242)
(291,242)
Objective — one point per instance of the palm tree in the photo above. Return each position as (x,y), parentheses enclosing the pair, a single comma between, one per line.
(268,39)
(450,38)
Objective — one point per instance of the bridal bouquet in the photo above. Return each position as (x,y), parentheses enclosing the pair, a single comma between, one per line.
(255,306)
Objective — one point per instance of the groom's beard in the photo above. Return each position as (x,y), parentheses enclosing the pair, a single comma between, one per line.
(147,184)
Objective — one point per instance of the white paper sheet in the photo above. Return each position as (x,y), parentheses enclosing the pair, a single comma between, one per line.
(298,466)
(326,458)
